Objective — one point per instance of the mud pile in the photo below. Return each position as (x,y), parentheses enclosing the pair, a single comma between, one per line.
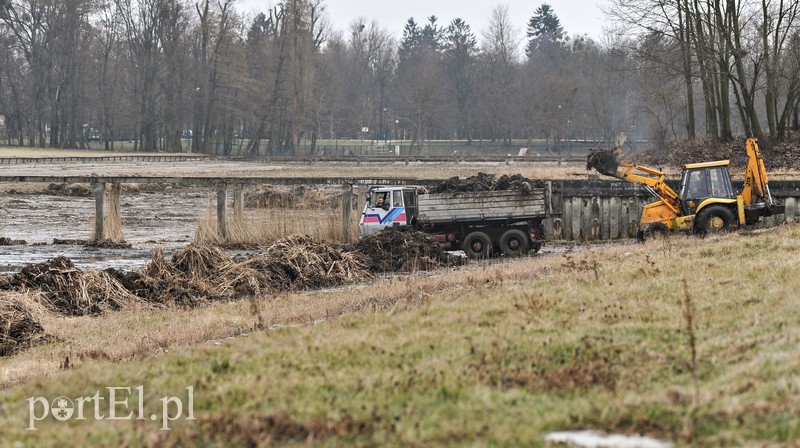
(300,196)
(175,282)
(604,161)
(199,274)
(5,241)
(18,329)
(487,182)
(204,273)
(74,190)
(69,291)
(302,262)
(402,251)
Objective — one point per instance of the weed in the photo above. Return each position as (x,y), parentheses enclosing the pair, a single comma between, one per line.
(689,317)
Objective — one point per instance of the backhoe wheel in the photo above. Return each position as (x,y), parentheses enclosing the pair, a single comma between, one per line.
(477,245)
(714,219)
(514,243)
(656,231)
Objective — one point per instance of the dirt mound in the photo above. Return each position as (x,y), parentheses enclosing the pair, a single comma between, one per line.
(302,262)
(107,244)
(5,241)
(75,190)
(487,182)
(69,291)
(18,329)
(164,283)
(782,155)
(402,251)
(68,242)
(295,197)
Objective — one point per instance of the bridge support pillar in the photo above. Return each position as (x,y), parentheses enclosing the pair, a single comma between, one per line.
(238,205)
(113,231)
(347,209)
(99,190)
(222,211)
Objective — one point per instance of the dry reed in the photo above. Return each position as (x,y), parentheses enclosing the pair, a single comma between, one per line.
(311,213)
(18,328)
(70,291)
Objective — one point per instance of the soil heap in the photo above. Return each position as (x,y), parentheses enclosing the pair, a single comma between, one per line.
(402,251)
(487,182)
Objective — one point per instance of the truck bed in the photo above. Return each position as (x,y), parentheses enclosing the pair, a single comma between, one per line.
(480,206)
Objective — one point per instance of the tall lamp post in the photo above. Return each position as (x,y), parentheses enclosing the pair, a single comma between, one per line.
(383,125)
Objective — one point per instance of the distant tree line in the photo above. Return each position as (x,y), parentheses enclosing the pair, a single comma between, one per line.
(166,72)
(719,67)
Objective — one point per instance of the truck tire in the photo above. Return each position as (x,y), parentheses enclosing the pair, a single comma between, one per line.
(714,219)
(477,245)
(514,243)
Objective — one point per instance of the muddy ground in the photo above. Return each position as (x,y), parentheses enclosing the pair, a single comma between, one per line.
(149,219)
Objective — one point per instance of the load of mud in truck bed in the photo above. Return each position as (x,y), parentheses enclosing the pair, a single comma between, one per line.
(487,182)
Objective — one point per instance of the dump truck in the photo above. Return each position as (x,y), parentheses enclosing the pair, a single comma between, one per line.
(481,223)
(706,201)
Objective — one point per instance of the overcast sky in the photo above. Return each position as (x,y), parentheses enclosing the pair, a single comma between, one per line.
(578,17)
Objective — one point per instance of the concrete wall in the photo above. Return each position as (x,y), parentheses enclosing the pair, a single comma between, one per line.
(603,210)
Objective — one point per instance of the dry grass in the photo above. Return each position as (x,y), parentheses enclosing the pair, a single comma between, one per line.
(19,329)
(138,334)
(265,225)
(495,353)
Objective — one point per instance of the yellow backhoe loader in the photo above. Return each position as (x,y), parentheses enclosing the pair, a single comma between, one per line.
(707,202)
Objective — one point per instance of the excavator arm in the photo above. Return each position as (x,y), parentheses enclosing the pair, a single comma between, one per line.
(653,180)
(756,183)
(756,197)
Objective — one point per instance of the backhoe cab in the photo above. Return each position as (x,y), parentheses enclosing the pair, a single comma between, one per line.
(706,202)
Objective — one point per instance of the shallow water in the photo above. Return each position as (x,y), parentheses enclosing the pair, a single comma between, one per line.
(167,219)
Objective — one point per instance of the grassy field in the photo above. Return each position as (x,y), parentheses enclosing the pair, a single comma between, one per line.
(693,341)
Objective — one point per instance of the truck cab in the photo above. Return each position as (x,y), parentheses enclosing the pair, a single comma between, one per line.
(388,207)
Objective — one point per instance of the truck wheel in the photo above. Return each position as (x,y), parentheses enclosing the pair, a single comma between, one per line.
(714,219)
(477,245)
(514,243)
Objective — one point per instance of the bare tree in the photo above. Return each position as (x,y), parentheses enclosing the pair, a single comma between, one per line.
(500,56)
(461,49)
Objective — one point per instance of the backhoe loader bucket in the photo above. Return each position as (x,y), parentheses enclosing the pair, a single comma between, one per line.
(604,161)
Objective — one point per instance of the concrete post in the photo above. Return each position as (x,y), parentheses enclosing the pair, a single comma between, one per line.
(238,204)
(222,211)
(99,190)
(114,230)
(347,208)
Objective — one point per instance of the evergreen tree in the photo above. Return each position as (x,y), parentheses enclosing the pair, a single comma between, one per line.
(545,33)
(411,39)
